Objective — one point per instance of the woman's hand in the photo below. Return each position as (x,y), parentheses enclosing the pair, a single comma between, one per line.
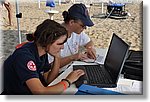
(56,55)
(74,75)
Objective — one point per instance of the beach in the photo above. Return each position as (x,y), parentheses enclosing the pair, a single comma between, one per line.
(130,29)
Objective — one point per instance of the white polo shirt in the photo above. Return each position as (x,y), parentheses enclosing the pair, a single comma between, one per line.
(72,45)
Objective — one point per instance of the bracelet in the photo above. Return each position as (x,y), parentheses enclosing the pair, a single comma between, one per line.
(64,85)
(69,83)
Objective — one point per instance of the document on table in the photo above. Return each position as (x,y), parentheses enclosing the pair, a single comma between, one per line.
(99,59)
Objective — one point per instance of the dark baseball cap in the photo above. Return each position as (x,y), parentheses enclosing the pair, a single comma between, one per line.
(80,11)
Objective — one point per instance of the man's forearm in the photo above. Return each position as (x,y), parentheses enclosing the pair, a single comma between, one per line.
(66,60)
(91,52)
(89,45)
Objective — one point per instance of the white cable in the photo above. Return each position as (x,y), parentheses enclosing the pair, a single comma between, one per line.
(108,15)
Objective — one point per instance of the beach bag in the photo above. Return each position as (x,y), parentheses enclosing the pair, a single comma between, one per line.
(133,67)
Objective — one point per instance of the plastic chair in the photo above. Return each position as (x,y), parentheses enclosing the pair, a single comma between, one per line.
(50,3)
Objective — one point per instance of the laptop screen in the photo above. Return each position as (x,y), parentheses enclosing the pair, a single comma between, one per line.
(116,57)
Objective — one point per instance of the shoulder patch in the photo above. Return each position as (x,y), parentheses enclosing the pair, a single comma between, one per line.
(31,66)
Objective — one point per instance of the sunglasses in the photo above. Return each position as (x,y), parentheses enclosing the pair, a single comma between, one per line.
(82,25)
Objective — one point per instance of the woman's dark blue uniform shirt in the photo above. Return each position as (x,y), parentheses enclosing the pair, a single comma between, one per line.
(22,65)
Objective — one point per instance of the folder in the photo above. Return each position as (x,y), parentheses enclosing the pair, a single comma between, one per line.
(93,90)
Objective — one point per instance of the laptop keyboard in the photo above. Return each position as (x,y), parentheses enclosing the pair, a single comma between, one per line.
(96,75)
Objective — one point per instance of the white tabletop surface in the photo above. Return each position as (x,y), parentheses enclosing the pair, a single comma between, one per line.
(51,11)
(125,86)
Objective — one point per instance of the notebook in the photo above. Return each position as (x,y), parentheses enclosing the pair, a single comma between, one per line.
(99,59)
(105,75)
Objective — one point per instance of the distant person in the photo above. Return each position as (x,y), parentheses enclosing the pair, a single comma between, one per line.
(8,6)
(27,70)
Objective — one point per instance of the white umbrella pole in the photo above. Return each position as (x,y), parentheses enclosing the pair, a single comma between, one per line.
(39,3)
(18,21)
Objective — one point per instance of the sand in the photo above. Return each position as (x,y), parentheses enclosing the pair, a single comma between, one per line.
(130,29)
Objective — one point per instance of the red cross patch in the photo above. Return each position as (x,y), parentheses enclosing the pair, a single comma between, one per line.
(31,66)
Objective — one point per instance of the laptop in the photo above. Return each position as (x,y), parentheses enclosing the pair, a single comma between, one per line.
(105,75)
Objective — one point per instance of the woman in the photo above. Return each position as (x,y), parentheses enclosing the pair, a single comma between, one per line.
(27,70)
(75,21)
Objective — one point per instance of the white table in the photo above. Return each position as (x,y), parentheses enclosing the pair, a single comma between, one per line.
(126,86)
(51,13)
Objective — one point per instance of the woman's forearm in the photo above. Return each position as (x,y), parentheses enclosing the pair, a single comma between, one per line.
(54,71)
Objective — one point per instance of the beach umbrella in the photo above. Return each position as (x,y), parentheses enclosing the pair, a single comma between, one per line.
(18,16)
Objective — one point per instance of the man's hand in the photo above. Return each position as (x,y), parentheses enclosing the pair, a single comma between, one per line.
(91,53)
(80,56)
